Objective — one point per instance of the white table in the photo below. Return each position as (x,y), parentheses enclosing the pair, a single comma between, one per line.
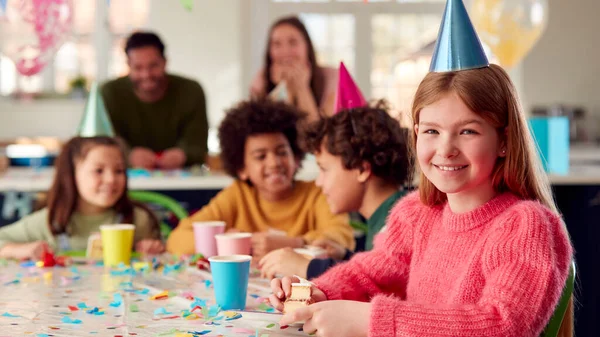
(43,297)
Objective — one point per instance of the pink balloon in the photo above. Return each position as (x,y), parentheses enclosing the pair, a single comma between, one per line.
(31,31)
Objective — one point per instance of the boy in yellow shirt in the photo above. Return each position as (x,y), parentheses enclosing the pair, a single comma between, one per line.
(259,147)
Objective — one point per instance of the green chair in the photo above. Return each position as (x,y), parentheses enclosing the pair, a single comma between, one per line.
(553,326)
(163,201)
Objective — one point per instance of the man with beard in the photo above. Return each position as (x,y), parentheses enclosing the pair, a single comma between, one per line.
(161,116)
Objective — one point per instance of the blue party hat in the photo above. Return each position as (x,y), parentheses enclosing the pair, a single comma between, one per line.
(95,120)
(457,46)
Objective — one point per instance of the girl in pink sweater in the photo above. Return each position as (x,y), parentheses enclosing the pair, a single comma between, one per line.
(478,250)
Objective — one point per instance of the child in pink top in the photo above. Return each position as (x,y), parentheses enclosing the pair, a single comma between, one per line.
(478,250)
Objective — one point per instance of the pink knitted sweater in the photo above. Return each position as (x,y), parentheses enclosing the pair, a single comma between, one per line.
(498,270)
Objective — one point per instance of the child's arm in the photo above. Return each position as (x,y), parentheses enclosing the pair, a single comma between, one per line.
(525,267)
(330,226)
(26,237)
(220,208)
(384,269)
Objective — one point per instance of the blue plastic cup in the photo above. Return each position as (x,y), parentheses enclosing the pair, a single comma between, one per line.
(230,280)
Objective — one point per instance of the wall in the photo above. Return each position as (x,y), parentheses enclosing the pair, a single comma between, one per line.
(564,66)
(204,44)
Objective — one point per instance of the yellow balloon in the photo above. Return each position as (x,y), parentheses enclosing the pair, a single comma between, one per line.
(510,28)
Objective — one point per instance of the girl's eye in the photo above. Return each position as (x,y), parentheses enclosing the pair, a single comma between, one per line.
(430,131)
(468,132)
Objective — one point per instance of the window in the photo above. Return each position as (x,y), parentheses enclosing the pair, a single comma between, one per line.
(402,48)
(82,53)
(332,37)
(385,44)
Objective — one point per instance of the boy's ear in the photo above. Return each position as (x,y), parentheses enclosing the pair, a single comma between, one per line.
(243,174)
(364,172)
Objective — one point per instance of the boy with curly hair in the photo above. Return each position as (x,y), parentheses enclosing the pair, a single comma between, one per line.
(364,164)
(259,148)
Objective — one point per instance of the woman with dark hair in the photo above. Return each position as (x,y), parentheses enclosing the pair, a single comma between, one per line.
(290,58)
(89,190)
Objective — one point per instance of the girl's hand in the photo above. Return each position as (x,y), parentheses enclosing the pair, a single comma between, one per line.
(333,318)
(276,73)
(150,247)
(22,251)
(284,262)
(283,287)
(297,76)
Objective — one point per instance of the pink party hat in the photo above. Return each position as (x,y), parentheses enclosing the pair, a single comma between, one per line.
(348,94)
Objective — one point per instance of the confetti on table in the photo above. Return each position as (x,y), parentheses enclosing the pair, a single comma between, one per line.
(95,311)
(81,305)
(270,325)
(187,295)
(69,320)
(171,332)
(134,308)
(199,333)
(207,283)
(126,285)
(169,268)
(117,300)
(198,303)
(42,335)
(6,314)
(12,282)
(232,315)
(142,291)
(141,266)
(160,296)
(161,311)
(72,308)
(266,308)
(28,264)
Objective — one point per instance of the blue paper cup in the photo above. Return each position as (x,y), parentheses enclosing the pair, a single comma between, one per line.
(230,280)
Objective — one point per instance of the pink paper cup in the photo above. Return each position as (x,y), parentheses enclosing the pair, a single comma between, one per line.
(234,243)
(204,236)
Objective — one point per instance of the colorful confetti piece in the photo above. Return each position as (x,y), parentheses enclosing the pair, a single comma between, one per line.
(134,308)
(160,296)
(198,302)
(161,311)
(142,291)
(117,300)
(231,315)
(69,320)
